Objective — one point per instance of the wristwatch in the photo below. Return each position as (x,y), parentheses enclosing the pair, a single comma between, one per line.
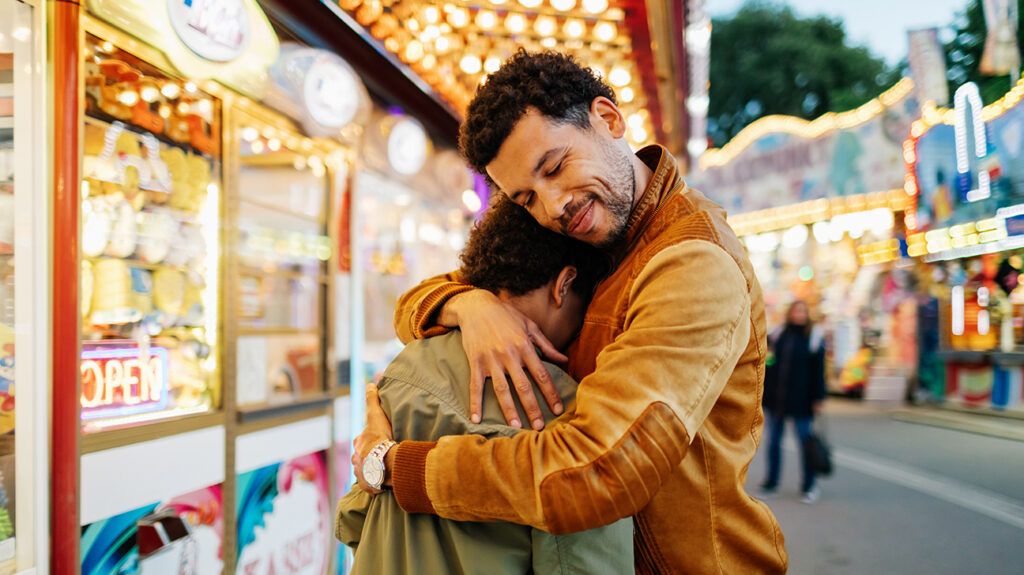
(373,465)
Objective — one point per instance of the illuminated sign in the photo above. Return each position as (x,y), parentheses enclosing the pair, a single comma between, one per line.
(408,146)
(123,381)
(217,30)
(967,95)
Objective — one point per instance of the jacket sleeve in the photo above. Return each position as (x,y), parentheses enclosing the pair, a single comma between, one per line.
(416,312)
(687,324)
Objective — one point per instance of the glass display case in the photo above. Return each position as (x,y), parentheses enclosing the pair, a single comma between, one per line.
(150,218)
(281,250)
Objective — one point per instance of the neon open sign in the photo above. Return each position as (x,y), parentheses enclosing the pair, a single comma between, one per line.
(118,382)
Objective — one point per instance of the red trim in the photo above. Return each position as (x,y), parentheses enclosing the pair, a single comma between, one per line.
(640,33)
(64,422)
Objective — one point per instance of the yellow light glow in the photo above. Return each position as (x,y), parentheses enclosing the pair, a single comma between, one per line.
(492,64)
(274,144)
(431,14)
(563,5)
(595,6)
(442,44)
(605,31)
(191,87)
(638,134)
(257,147)
(530,3)
(429,61)
(164,111)
(626,95)
(414,51)
(471,64)
(170,90)
(635,120)
(515,23)
(458,17)
(486,19)
(149,94)
(550,43)
(619,77)
(545,25)
(574,28)
(128,97)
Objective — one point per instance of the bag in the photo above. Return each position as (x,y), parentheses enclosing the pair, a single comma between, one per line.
(819,453)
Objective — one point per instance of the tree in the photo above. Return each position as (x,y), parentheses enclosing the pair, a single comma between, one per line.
(964,50)
(767,60)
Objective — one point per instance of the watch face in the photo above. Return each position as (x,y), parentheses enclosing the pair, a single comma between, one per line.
(373,472)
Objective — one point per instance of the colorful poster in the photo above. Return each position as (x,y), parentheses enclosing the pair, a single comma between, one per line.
(959,180)
(780,160)
(109,546)
(284,518)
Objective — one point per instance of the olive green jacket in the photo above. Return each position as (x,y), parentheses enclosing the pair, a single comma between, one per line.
(425,393)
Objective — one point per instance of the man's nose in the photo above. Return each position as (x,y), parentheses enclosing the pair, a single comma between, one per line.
(553,200)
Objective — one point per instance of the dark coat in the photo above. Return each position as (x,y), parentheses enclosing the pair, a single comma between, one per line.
(795,376)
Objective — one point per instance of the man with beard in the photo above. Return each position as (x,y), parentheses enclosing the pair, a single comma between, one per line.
(670,358)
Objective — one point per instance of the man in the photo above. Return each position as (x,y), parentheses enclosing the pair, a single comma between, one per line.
(670,358)
(425,391)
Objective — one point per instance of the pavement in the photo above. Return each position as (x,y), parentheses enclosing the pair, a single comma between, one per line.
(905,497)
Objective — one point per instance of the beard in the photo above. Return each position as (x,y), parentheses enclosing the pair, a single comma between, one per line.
(621,192)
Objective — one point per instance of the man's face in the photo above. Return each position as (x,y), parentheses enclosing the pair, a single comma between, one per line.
(573,181)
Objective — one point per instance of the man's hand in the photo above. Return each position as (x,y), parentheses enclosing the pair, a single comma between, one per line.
(377,429)
(500,340)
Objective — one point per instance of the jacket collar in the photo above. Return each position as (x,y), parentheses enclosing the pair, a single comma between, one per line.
(664,181)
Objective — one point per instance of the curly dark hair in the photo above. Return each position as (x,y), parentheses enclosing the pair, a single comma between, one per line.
(508,250)
(555,84)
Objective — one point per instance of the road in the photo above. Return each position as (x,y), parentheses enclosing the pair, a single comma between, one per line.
(905,498)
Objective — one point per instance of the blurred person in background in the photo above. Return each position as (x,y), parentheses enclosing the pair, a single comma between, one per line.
(794,388)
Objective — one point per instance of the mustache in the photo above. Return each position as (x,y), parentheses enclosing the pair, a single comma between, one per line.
(571,210)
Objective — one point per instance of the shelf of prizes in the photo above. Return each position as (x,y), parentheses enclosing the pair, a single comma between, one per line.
(214,162)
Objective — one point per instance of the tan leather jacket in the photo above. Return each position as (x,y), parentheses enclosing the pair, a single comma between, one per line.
(667,417)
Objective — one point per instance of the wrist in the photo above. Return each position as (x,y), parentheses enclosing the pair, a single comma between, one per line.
(389,465)
(453,311)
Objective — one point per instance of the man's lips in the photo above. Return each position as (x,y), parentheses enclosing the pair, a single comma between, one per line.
(582,218)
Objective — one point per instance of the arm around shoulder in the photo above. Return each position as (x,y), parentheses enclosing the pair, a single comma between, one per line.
(417,311)
(688,324)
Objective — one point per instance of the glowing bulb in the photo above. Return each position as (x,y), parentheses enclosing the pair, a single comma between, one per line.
(429,61)
(595,6)
(149,94)
(164,111)
(563,5)
(530,3)
(626,94)
(549,43)
(605,31)
(431,14)
(442,44)
(205,107)
(128,97)
(619,77)
(635,120)
(471,200)
(492,64)
(274,144)
(458,17)
(545,25)
(515,23)
(191,87)
(575,28)
(171,91)
(257,147)
(250,134)
(414,51)
(639,134)
(471,64)
(486,19)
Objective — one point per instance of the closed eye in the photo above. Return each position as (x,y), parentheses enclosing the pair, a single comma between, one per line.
(554,171)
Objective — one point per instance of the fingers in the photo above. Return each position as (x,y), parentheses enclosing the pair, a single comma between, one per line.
(546,347)
(524,389)
(476,393)
(544,383)
(504,394)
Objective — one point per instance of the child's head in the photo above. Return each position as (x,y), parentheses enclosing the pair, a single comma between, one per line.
(547,276)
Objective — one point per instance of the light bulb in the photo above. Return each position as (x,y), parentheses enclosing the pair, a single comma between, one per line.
(515,23)
(486,19)
(605,31)
(595,6)
(471,64)
(545,25)
(563,5)
(575,28)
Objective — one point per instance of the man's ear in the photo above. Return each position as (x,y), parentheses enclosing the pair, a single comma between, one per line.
(563,283)
(604,114)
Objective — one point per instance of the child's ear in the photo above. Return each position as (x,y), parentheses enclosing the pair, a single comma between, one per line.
(563,283)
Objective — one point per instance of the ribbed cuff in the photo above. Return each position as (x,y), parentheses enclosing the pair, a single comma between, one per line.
(409,477)
(425,320)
